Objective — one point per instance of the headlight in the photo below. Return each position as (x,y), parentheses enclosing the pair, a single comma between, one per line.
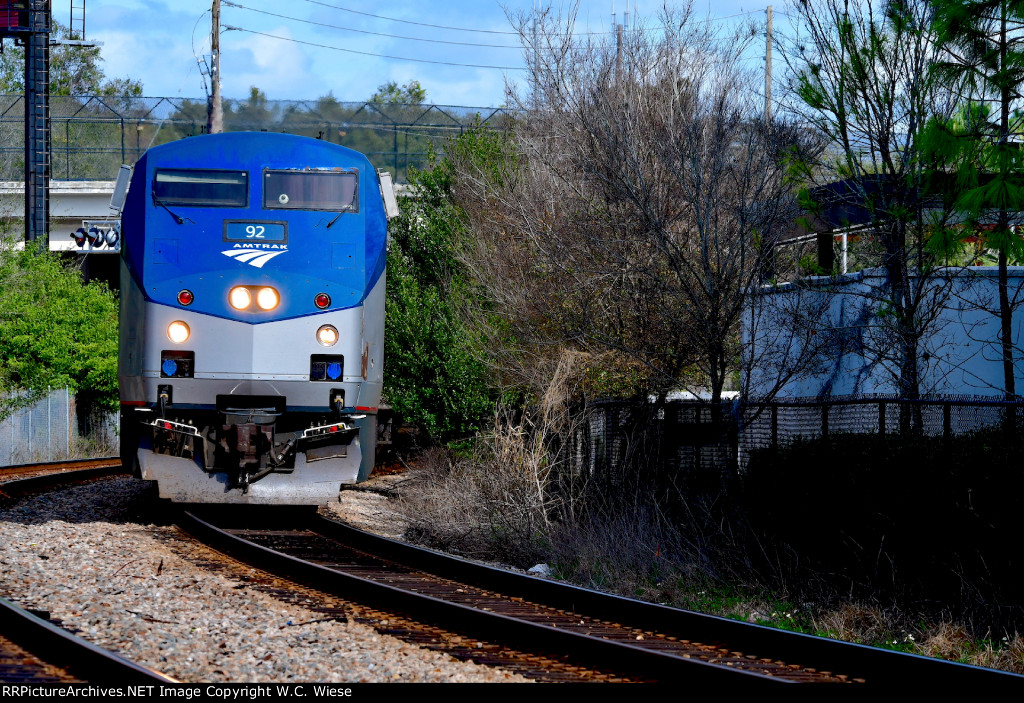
(267,298)
(240,298)
(177,332)
(327,336)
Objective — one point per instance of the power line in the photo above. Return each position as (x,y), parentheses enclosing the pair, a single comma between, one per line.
(376,34)
(738,14)
(495,31)
(421,24)
(367,53)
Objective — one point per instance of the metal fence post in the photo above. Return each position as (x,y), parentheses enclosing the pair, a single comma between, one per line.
(67,149)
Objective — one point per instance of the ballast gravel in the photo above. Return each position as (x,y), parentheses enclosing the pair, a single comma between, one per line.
(88,556)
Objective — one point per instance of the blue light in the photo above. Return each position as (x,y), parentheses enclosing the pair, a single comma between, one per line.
(334,370)
(169,367)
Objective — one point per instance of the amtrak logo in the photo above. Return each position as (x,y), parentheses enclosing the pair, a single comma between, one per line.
(255,254)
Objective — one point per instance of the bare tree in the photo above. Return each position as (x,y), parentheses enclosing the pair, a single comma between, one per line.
(638,203)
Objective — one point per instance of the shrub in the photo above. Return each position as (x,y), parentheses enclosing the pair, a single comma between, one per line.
(56,331)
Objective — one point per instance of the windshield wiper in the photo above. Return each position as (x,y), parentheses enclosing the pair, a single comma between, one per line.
(351,207)
(177,218)
(335,219)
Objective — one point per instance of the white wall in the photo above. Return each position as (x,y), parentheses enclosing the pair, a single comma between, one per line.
(960,354)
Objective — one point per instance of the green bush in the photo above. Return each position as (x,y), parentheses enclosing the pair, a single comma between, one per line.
(434,377)
(56,331)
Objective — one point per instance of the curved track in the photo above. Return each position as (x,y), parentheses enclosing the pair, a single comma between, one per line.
(33,650)
(570,633)
(17,481)
(540,628)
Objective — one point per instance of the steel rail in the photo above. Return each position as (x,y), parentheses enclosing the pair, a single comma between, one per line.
(18,487)
(527,636)
(85,463)
(43,639)
(876,666)
(60,648)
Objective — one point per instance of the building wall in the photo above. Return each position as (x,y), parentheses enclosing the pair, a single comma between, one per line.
(959,355)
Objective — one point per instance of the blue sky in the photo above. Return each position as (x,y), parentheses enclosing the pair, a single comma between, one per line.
(157,42)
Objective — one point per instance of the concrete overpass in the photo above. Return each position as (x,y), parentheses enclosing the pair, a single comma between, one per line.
(72,204)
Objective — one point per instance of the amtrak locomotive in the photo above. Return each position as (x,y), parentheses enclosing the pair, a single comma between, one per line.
(252,318)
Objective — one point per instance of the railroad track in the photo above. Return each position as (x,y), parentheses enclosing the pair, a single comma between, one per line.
(34,650)
(16,481)
(539,628)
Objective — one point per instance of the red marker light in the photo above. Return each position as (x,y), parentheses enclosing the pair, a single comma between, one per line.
(167,426)
(322,300)
(334,428)
(185,297)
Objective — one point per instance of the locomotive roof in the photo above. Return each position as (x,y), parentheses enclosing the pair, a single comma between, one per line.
(265,148)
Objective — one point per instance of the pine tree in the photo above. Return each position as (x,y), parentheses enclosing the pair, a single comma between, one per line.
(983,45)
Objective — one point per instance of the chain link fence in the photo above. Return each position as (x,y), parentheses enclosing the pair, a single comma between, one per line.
(91,136)
(53,429)
(698,437)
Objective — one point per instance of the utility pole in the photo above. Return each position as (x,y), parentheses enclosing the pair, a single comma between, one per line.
(618,41)
(768,67)
(215,121)
(618,52)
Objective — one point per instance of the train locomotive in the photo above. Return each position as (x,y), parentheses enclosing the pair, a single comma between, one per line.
(252,318)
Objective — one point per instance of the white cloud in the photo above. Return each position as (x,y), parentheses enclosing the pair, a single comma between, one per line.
(279,68)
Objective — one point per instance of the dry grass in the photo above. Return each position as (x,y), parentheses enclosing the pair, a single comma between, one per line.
(953,642)
(497,502)
(493,504)
(860,622)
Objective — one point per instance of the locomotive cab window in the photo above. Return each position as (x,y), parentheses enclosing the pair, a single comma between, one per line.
(336,191)
(201,188)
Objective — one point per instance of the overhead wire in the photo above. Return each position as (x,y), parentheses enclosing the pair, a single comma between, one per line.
(404,38)
(421,24)
(369,53)
(364,31)
(199,61)
(495,31)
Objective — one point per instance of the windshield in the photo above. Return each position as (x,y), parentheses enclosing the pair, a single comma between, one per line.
(201,188)
(311,190)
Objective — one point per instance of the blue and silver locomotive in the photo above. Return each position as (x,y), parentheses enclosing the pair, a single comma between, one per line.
(252,318)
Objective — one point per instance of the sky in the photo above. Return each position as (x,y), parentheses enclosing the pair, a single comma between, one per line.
(284,48)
